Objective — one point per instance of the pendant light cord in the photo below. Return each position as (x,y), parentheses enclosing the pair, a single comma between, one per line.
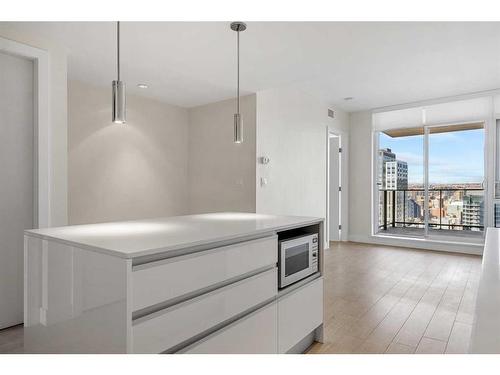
(118,48)
(238,70)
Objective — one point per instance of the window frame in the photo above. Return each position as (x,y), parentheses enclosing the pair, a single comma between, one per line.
(491,162)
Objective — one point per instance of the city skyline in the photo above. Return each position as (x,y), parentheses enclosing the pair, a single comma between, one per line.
(454,158)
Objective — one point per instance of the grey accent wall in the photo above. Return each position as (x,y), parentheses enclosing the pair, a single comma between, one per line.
(132,171)
(221,173)
(165,161)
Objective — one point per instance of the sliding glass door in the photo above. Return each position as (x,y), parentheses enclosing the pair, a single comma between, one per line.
(455,170)
(430,181)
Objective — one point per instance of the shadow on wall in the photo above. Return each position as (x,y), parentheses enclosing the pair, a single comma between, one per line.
(130,171)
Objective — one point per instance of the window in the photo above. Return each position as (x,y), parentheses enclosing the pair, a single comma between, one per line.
(433,183)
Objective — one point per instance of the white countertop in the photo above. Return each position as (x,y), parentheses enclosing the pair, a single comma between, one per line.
(486,326)
(130,239)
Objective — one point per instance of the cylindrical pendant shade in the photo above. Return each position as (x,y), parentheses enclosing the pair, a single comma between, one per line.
(238,128)
(118,116)
(238,123)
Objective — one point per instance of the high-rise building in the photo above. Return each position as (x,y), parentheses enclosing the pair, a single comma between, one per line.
(384,155)
(396,175)
(413,209)
(473,210)
(455,209)
(497,215)
(396,178)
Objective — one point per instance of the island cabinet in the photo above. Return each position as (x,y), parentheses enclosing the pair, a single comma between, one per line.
(89,290)
(300,312)
(485,335)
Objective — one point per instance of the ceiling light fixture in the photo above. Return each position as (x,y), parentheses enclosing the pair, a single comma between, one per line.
(238,123)
(118,111)
(142,85)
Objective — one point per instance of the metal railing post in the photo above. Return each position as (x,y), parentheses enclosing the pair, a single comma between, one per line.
(394,208)
(385,209)
(404,208)
(440,207)
(464,193)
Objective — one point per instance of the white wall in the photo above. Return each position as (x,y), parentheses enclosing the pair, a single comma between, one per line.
(292,132)
(131,171)
(221,173)
(57,117)
(360,182)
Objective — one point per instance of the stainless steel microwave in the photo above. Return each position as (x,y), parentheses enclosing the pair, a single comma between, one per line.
(298,258)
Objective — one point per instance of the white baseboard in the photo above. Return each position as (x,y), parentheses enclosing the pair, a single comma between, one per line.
(417,243)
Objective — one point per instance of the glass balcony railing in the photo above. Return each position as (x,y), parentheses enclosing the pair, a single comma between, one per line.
(449,209)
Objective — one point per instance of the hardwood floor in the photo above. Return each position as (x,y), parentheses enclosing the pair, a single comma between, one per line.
(11,340)
(382,299)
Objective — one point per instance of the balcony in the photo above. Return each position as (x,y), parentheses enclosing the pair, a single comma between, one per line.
(452,212)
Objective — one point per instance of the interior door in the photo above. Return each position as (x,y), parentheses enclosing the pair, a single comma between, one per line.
(16,180)
(334,173)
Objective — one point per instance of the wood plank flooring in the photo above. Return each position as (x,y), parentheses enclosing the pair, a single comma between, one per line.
(381,299)
(11,340)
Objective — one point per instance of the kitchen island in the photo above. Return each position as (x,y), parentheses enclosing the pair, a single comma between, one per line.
(187,284)
(485,337)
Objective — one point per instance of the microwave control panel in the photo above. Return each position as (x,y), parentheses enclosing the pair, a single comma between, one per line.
(314,252)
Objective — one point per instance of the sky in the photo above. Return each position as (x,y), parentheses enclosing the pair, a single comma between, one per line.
(456,157)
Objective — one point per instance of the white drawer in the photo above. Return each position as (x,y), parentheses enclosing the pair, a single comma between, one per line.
(299,313)
(161,281)
(256,333)
(164,329)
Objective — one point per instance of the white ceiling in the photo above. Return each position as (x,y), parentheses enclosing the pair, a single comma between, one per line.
(193,63)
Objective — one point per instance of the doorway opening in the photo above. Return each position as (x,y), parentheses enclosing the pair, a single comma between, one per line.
(17,191)
(25,165)
(335,220)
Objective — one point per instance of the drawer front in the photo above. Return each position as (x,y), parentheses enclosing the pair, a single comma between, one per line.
(299,313)
(161,331)
(254,334)
(161,281)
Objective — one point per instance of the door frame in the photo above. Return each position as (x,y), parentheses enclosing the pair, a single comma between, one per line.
(343,182)
(489,159)
(41,125)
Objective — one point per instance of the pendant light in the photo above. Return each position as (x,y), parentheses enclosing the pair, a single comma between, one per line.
(238,123)
(118,112)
